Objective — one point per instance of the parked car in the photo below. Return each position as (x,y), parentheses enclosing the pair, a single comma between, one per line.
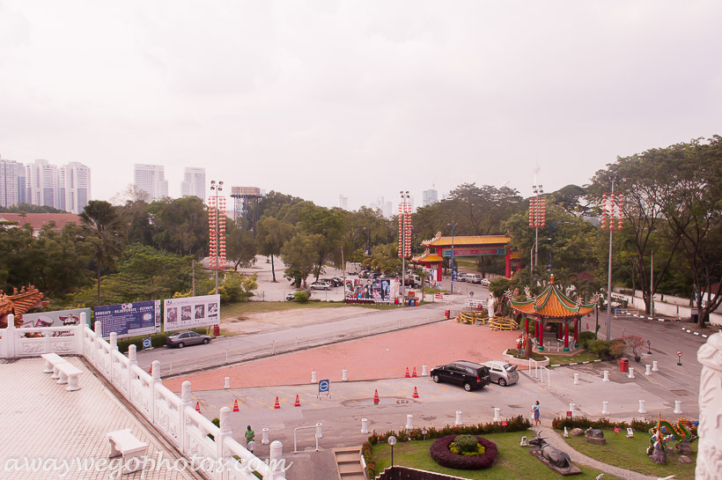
(470,375)
(461,277)
(290,296)
(485,282)
(473,278)
(502,372)
(335,281)
(186,337)
(321,285)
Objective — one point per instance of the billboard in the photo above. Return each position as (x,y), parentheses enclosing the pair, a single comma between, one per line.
(129,319)
(192,312)
(59,318)
(474,252)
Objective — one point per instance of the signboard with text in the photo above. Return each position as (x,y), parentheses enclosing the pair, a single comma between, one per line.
(473,252)
(129,319)
(191,312)
(59,318)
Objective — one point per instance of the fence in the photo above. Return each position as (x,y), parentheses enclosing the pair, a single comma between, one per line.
(174,417)
(538,372)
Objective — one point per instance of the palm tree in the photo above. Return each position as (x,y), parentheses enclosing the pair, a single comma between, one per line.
(103,227)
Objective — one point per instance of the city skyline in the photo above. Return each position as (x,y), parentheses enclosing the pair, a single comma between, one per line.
(376,98)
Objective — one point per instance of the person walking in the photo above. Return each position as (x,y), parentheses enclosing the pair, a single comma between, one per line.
(250,434)
(535,413)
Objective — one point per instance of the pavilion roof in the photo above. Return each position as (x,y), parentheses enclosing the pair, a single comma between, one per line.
(460,241)
(552,303)
(427,257)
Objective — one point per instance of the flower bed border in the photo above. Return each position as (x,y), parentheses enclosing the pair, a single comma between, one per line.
(441,454)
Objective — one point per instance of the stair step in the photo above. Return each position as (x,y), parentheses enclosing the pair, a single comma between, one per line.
(350,468)
(348,457)
(353,476)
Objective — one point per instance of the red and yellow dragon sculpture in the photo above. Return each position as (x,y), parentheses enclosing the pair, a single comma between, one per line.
(19,303)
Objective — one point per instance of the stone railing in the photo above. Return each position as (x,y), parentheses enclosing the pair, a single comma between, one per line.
(173,416)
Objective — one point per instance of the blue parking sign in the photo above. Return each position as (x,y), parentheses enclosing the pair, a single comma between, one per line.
(324,386)
(147,343)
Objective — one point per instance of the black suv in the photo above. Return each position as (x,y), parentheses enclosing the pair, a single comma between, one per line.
(468,374)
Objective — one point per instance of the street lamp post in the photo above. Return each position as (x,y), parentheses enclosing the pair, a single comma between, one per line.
(453,263)
(217,227)
(610,216)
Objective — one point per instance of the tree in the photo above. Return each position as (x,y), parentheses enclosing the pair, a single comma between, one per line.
(327,225)
(103,228)
(300,255)
(480,210)
(240,245)
(272,236)
(181,225)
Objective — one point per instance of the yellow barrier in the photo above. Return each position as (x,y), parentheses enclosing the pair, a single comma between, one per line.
(503,323)
(471,318)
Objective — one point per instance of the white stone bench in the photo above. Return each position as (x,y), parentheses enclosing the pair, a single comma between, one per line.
(69,374)
(51,362)
(123,442)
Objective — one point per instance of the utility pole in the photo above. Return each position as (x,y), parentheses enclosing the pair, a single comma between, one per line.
(609,217)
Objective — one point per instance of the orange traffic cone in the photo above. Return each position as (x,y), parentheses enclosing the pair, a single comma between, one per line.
(376,396)
(277,405)
(416,393)
(298,402)
(414,372)
(198,407)
(235,405)
(407,372)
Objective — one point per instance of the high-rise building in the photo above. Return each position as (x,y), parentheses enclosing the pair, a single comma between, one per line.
(12,183)
(150,180)
(43,184)
(194,183)
(343,202)
(430,197)
(75,186)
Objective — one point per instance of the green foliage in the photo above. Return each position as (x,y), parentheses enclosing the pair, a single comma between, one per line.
(180,225)
(607,349)
(157,340)
(466,443)
(235,287)
(241,247)
(478,449)
(498,286)
(301,297)
(300,255)
(586,337)
(603,423)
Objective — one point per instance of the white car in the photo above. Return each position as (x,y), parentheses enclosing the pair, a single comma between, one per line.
(485,282)
(462,277)
(321,285)
(502,372)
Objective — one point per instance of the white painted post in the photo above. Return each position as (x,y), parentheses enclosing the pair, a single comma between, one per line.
(156,381)
(605,408)
(641,407)
(186,402)
(606,375)
(648,370)
(113,342)
(227,383)
(276,460)
(264,440)
(457,421)
(576,379)
(423,371)
(132,361)
(655,368)
(319,433)
(225,433)
(313,376)
(678,407)
(571,408)
(365,425)
(96,350)
(409,422)
(344,375)
(497,417)
(631,373)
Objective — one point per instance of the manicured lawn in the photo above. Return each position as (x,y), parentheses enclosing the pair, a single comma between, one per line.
(565,359)
(513,461)
(631,453)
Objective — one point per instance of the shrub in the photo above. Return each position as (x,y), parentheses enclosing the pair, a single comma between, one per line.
(301,297)
(607,350)
(587,337)
(466,443)
(603,424)
(441,454)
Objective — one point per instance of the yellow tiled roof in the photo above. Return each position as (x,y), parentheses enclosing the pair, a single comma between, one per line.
(427,257)
(460,241)
(552,303)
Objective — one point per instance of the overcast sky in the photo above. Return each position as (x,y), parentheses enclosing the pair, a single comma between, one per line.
(364,98)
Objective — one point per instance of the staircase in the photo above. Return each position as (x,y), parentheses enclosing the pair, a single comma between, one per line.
(348,461)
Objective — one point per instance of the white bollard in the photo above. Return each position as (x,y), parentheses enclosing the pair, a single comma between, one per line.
(409,422)
(566,433)
(606,375)
(423,370)
(277,460)
(571,408)
(641,407)
(319,433)
(576,379)
(344,375)
(264,440)
(313,376)
(457,422)
(497,418)
(227,385)
(648,370)
(654,366)
(364,425)
(678,407)
(605,408)
(631,373)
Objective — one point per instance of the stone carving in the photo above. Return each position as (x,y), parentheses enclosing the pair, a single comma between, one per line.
(709,452)
(595,436)
(577,432)
(553,455)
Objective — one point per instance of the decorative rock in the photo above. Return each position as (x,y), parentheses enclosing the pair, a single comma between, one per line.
(684,459)
(577,432)
(659,457)
(683,448)
(595,436)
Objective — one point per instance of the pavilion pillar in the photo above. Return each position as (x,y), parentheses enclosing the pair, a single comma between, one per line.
(527,325)
(566,335)
(577,324)
(508,263)
(559,331)
(541,335)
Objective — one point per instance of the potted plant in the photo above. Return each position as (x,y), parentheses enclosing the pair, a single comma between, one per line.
(633,342)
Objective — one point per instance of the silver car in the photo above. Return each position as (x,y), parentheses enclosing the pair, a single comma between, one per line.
(502,372)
